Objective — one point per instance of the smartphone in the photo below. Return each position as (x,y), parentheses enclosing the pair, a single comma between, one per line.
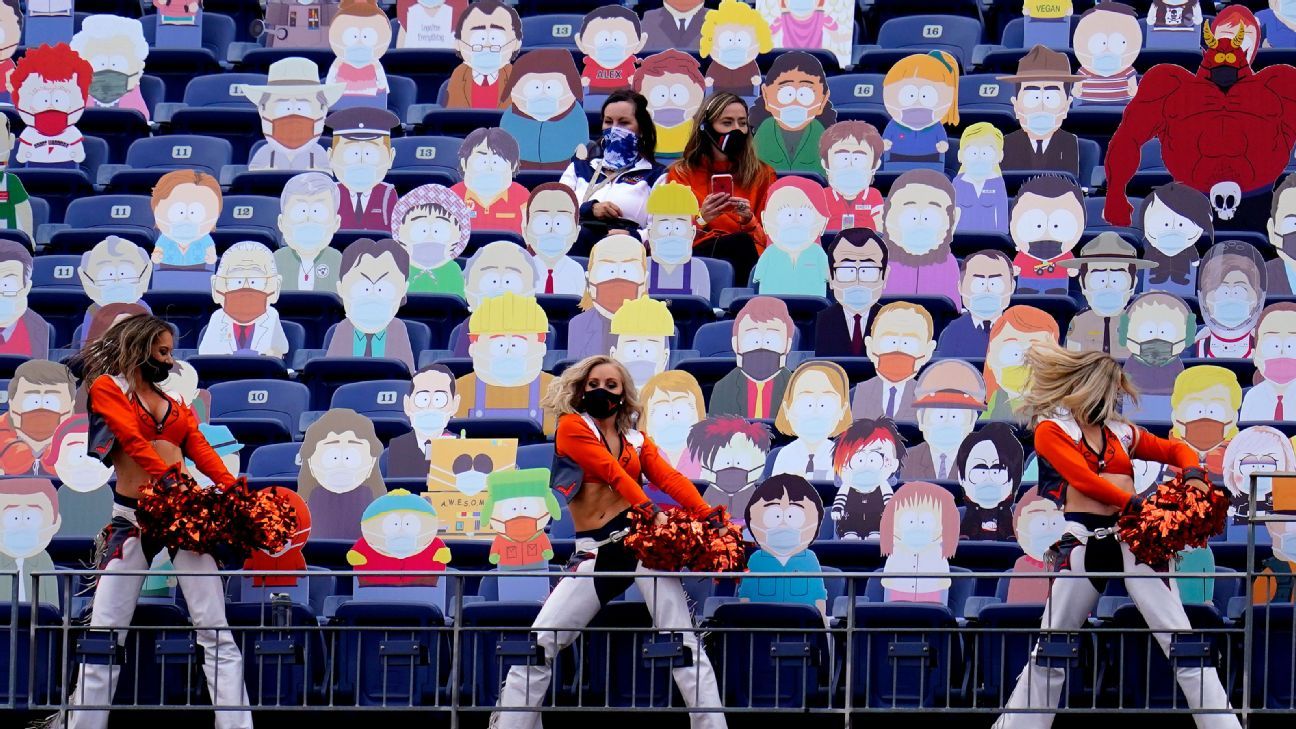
(722,184)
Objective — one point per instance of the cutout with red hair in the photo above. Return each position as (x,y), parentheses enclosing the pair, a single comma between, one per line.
(52,63)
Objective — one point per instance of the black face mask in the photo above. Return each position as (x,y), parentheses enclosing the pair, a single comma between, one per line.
(760,364)
(732,144)
(1045,249)
(731,480)
(600,403)
(1224,76)
(154,370)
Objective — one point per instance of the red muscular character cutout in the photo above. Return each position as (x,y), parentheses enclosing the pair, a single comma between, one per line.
(1227,130)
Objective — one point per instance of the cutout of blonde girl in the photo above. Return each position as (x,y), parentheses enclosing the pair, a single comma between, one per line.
(919,535)
(979,188)
(732,36)
(921,95)
(815,409)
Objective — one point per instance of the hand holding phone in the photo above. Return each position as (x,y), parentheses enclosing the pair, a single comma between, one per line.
(722,184)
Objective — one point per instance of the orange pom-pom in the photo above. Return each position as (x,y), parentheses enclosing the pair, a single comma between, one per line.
(180,514)
(685,541)
(1174,518)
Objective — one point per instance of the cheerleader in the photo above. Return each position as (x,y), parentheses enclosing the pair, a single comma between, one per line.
(144,431)
(597,404)
(1084,447)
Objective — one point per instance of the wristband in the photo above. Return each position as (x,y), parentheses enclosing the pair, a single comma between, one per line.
(646,509)
(1134,505)
(1196,472)
(715,517)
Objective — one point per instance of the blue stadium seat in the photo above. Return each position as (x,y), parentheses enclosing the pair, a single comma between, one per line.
(323,375)
(189,311)
(983,97)
(904,662)
(18,649)
(401,94)
(789,668)
(900,37)
(496,637)
(282,667)
(1002,651)
(160,651)
(61,187)
(722,276)
(56,272)
(428,68)
(1273,657)
(229,368)
(423,161)
(539,455)
(119,128)
(854,94)
(405,663)
(92,218)
(316,311)
(247,217)
(629,668)
(1141,673)
(63,308)
(147,160)
(178,66)
(212,107)
(382,401)
(452,122)
(271,406)
(277,460)
(437,314)
(550,31)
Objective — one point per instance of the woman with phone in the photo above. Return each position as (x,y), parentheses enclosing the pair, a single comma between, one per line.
(730,183)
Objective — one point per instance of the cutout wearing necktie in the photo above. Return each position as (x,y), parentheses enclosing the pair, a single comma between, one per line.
(857,337)
(891,401)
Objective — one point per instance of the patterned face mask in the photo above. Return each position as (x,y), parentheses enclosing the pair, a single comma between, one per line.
(620,147)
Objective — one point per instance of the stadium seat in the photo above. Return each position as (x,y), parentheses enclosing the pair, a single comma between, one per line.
(92,218)
(269,407)
(56,272)
(984,98)
(189,311)
(119,128)
(247,217)
(178,66)
(147,160)
(436,314)
(281,667)
(161,651)
(550,31)
(228,368)
(630,668)
(323,375)
(859,96)
(316,311)
(903,36)
(212,106)
(427,68)
(496,636)
(425,160)
(61,187)
(1141,674)
(758,667)
(1273,656)
(402,659)
(382,401)
(539,455)
(38,657)
(433,120)
(277,460)
(906,659)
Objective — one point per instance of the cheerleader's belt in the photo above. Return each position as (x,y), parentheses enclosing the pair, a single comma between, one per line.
(1101,541)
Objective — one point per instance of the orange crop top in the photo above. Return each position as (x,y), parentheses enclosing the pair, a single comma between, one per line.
(135,430)
(1077,466)
(577,441)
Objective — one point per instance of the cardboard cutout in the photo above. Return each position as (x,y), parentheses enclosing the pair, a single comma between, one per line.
(106,316)
(1275,367)
(48,22)
(545,114)
(298,23)
(1278,22)
(858,257)
(488,159)
(1148,475)
(1006,371)
(672,269)
(359,36)
(222,440)
(434,225)
(50,88)
(1047,221)
(815,411)
(919,535)
(1204,414)
(792,112)
(784,515)
(899,343)
(919,218)
(948,397)
(15,208)
(361,156)
(457,480)
(427,23)
(519,505)
(986,285)
(29,518)
(811,24)
(116,49)
(642,328)
(1038,524)
(730,453)
(488,38)
(1156,329)
(1107,41)
(979,189)
(289,558)
(1041,101)
(292,105)
(552,226)
(1275,582)
(85,501)
(339,476)
(11,30)
(115,271)
(186,205)
(618,272)
(732,36)
(673,403)
(179,23)
(921,95)
(1185,111)
(677,24)
(1173,218)
(1107,268)
(1047,23)
(1259,449)
(28,333)
(246,286)
(609,37)
(762,338)
(866,459)
(433,399)
(1177,24)
(182,384)
(508,342)
(794,218)
(850,153)
(989,467)
(1231,286)
(672,83)
(373,286)
(1281,228)
(308,218)
(399,535)
(41,396)
(498,268)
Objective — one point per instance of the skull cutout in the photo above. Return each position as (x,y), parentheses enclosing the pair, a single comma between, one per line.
(1224,197)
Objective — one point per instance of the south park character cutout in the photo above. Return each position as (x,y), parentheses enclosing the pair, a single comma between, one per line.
(811,24)
(26,332)
(792,112)
(289,557)
(618,272)
(672,269)
(677,24)
(434,225)
(1259,449)
(519,505)
(16,207)
(339,476)
(1108,267)
(1041,101)
(11,33)
(433,399)
(50,88)
(488,159)
(41,396)
(643,328)
(116,49)
(673,403)
(850,153)
(1231,290)
(814,411)
(1173,218)
(1047,220)
(919,535)
(1107,40)
(457,480)
(496,269)
(1278,23)
(784,515)
(552,226)
(182,384)
(794,218)
(919,219)
(989,470)
(545,114)
(1038,524)
(866,458)
(672,83)
(921,96)
(245,287)
(1275,366)
(1204,413)
(186,205)
(227,447)
(508,340)
(730,453)
(308,218)
(107,316)
(85,500)
(979,189)
(1177,24)
(1281,229)
(609,37)
(292,105)
(115,271)
(428,23)
(762,338)
(29,518)
(1275,583)
(298,23)
(487,37)
(373,287)
(1156,329)
(1047,23)
(399,534)
(1006,371)
(986,285)
(899,344)
(859,263)
(359,36)
(361,156)
(732,36)
(948,397)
